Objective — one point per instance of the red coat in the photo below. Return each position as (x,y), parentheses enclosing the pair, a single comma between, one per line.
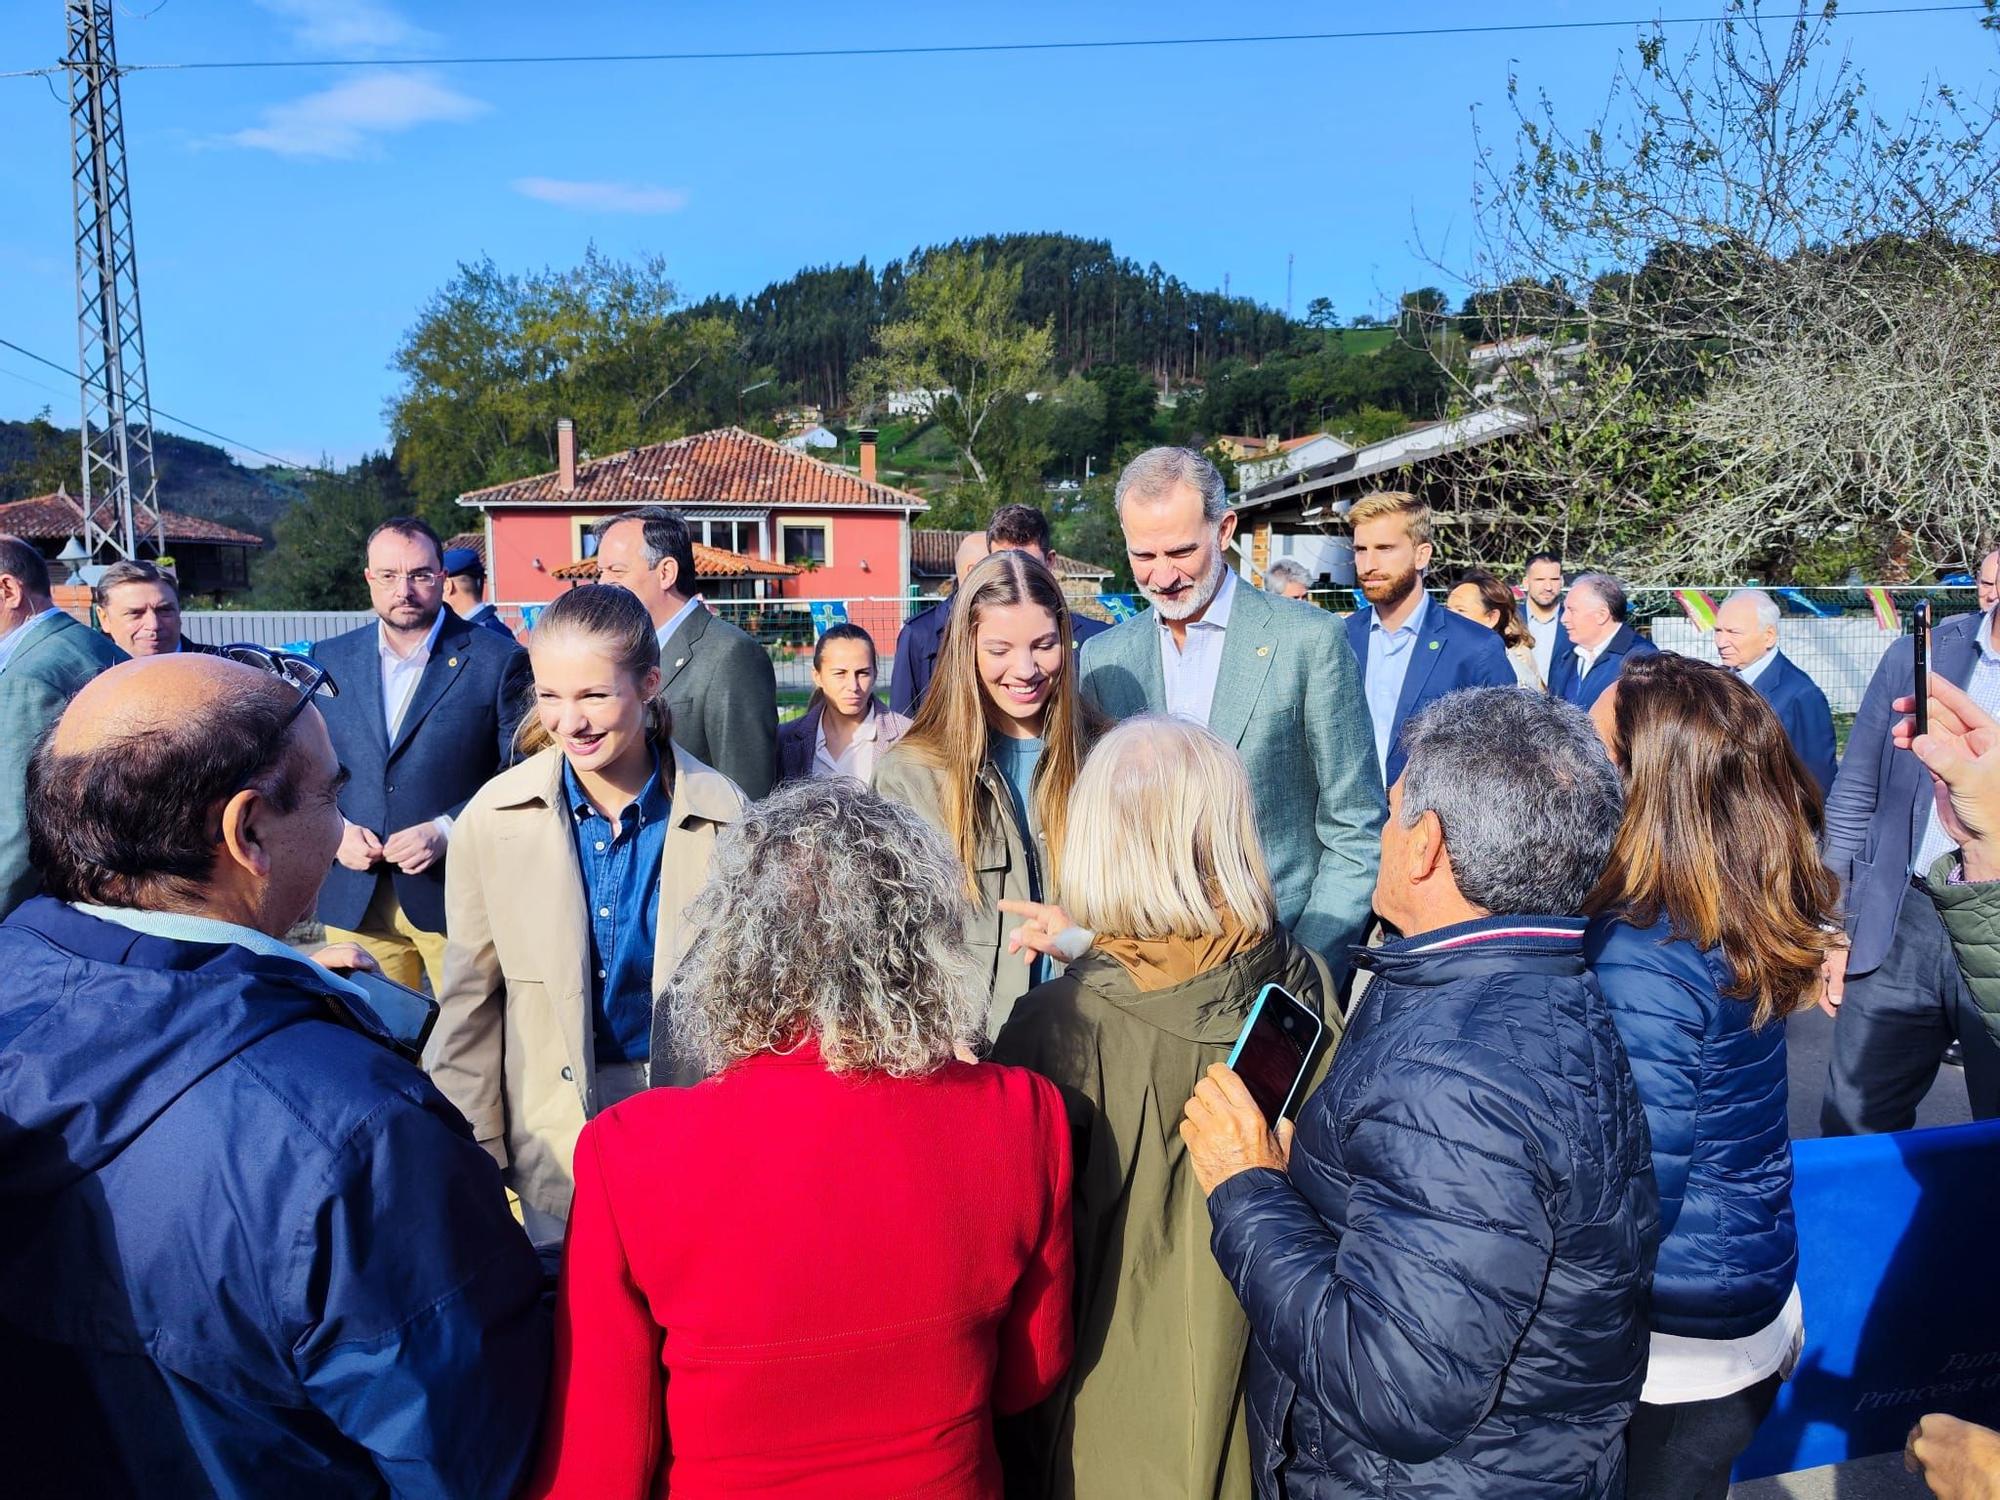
(791,1283)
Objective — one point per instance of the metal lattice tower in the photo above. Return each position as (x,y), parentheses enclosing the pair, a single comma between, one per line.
(117,434)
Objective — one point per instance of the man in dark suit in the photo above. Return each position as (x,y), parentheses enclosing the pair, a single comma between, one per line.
(45,657)
(1600,640)
(465,590)
(1409,651)
(426,713)
(1746,639)
(139,607)
(1541,612)
(718,682)
(1895,991)
(922,635)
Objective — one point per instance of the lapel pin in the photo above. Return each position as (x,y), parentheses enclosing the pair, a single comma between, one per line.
(452,662)
(1263,650)
(680,661)
(1436,644)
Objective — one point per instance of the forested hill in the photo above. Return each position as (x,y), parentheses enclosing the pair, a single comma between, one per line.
(196,479)
(813,328)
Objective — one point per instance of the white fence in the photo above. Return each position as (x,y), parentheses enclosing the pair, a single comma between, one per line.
(1840,654)
(268,627)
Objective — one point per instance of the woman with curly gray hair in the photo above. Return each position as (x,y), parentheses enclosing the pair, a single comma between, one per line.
(828,1267)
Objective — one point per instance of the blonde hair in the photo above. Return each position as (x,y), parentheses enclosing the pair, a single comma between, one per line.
(1383,503)
(616,619)
(1164,840)
(952,727)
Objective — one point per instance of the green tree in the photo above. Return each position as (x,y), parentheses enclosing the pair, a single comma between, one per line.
(962,340)
(1320,314)
(1088,530)
(317,561)
(51,462)
(495,359)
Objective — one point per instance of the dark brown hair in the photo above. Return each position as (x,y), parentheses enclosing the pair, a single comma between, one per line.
(1497,596)
(409,526)
(1719,831)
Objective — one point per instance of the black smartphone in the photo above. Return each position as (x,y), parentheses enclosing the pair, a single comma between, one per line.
(1920,633)
(395,1013)
(1274,1051)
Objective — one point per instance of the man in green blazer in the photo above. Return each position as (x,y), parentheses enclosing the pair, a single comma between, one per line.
(1274,677)
(45,656)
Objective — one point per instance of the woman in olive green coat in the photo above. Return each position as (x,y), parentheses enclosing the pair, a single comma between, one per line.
(996,748)
(1164,880)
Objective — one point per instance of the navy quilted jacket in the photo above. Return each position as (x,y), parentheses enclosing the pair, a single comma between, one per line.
(1714,1092)
(1446,1292)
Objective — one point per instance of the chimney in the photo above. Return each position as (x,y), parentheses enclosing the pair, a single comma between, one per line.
(867,437)
(565,455)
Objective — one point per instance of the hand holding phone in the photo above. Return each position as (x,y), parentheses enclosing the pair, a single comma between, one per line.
(1920,633)
(1274,1052)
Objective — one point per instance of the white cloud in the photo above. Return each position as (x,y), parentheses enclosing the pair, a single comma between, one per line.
(350,28)
(345,119)
(602,197)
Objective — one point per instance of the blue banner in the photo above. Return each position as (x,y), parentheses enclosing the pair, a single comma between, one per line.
(531,613)
(827,613)
(1121,607)
(1805,605)
(1897,1236)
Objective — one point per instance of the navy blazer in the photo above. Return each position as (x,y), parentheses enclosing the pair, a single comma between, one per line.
(458,731)
(1563,646)
(923,636)
(1881,797)
(1604,671)
(1802,708)
(1453,653)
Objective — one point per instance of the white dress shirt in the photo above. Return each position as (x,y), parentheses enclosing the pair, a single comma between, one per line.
(1189,670)
(665,632)
(863,750)
(1587,657)
(1543,633)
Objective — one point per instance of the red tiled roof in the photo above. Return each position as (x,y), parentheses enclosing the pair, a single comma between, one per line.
(51,518)
(932,554)
(474,541)
(726,467)
(709,562)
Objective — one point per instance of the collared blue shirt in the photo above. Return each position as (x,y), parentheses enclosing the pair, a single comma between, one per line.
(621,881)
(1390,653)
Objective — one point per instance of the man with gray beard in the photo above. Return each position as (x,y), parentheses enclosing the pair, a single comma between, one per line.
(1273,677)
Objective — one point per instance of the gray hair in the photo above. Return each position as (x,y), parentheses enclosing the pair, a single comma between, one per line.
(833,914)
(1768,613)
(1158,470)
(1607,589)
(1527,797)
(1286,570)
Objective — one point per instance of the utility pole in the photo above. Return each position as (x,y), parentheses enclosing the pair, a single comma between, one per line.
(117,435)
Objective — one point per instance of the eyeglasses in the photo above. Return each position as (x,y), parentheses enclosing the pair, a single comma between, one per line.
(302,672)
(388,578)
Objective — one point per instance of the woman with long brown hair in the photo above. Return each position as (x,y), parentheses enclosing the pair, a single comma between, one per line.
(1707,930)
(1478,595)
(995,751)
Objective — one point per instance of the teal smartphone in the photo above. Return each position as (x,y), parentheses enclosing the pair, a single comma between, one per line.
(1275,1049)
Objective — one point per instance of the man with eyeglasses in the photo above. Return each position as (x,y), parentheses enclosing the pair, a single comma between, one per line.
(428,717)
(250,1248)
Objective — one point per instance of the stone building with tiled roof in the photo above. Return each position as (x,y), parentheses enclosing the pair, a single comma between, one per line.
(772,523)
(208,557)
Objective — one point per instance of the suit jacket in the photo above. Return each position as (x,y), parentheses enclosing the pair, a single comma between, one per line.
(1881,797)
(488,616)
(46,670)
(513,1043)
(918,645)
(458,730)
(1563,646)
(1452,653)
(1563,682)
(1289,699)
(724,694)
(799,740)
(1802,708)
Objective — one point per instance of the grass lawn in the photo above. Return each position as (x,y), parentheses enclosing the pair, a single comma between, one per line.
(1365,340)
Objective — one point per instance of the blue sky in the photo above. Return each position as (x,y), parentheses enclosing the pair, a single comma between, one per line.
(291,221)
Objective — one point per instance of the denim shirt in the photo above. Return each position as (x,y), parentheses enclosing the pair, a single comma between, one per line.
(621,881)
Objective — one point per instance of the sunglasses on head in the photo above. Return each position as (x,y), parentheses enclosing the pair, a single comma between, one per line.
(302,672)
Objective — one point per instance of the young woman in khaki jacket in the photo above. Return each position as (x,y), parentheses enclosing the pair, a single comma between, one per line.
(996,748)
(563,899)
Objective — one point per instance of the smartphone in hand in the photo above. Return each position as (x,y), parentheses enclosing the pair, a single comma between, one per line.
(1920,633)
(1275,1050)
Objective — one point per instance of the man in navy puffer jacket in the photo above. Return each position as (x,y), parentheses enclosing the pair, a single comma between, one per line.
(1446,1284)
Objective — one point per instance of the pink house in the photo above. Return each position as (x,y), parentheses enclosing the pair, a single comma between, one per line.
(829,533)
